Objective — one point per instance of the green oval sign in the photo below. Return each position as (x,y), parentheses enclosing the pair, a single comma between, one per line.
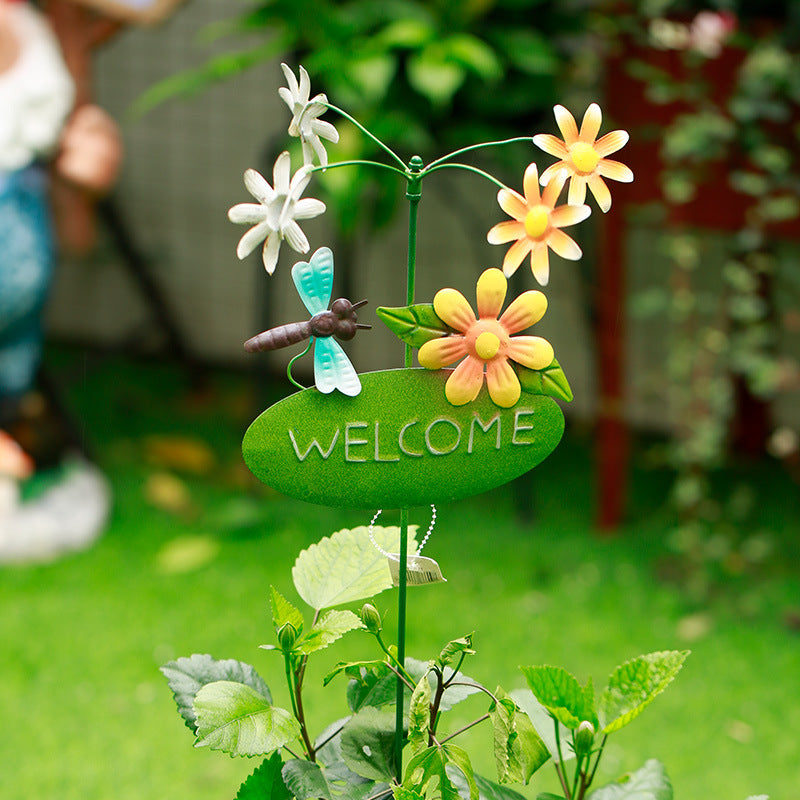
(397,444)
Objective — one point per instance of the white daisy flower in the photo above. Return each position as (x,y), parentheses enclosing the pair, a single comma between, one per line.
(305,113)
(274,216)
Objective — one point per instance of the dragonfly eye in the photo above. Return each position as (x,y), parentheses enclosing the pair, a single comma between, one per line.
(342,307)
(346,329)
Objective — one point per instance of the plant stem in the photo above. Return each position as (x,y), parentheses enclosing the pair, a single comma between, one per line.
(366,132)
(468,168)
(465,728)
(401,642)
(472,147)
(559,769)
(358,162)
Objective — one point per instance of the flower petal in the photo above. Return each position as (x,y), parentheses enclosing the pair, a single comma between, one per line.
(453,309)
(530,351)
(280,173)
(540,264)
(554,186)
(269,254)
(614,170)
(577,190)
(516,254)
(299,181)
(308,208)
(325,130)
(526,310)
(438,353)
(530,185)
(564,245)
(257,185)
(286,95)
(319,149)
(247,213)
(551,171)
(566,124)
(551,144)
(491,293)
(295,237)
(600,192)
(304,89)
(506,231)
(592,120)
(465,382)
(503,383)
(611,142)
(290,79)
(564,216)
(251,239)
(512,203)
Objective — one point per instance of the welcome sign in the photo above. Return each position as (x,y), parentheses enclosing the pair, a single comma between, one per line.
(399,443)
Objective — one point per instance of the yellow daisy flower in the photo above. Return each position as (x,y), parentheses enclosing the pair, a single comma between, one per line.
(583,155)
(487,341)
(536,224)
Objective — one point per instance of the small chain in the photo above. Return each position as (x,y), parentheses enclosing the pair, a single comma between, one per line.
(422,543)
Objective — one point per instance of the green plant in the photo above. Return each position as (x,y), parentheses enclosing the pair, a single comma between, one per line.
(228,706)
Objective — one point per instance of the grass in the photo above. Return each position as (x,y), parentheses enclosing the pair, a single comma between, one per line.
(189,554)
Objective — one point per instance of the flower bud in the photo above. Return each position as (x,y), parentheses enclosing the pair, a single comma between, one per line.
(287,636)
(584,738)
(371,618)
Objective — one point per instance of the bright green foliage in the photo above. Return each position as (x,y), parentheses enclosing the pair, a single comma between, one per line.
(544,724)
(307,780)
(346,566)
(368,744)
(429,765)
(415,324)
(550,381)
(635,684)
(187,676)
(332,626)
(650,782)
(518,750)
(283,611)
(235,718)
(561,694)
(419,715)
(265,782)
(456,648)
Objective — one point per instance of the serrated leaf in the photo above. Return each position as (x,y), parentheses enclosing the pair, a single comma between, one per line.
(353,668)
(283,611)
(186,676)
(559,692)
(330,627)
(236,719)
(543,723)
(401,793)
(635,684)
(550,381)
(419,715)
(650,782)
(430,765)
(372,688)
(487,790)
(465,686)
(368,744)
(454,648)
(265,782)
(347,566)
(306,780)
(518,750)
(414,324)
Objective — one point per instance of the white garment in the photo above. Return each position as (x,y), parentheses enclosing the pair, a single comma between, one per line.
(36,93)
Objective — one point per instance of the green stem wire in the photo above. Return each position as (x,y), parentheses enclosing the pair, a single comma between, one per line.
(467,168)
(366,132)
(358,162)
(291,363)
(479,146)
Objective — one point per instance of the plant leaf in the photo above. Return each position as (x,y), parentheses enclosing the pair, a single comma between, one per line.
(550,381)
(283,611)
(265,782)
(307,780)
(487,790)
(235,718)
(415,324)
(187,676)
(543,723)
(454,648)
(376,686)
(433,74)
(368,743)
(452,695)
(347,566)
(649,782)
(518,750)
(419,715)
(559,692)
(635,684)
(430,765)
(332,626)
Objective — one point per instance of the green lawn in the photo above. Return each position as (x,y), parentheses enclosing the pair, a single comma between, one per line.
(186,567)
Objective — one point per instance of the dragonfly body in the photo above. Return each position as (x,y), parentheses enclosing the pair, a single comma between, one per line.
(332,367)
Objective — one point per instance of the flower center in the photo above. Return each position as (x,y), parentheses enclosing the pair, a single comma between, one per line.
(537,220)
(487,345)
(584,156)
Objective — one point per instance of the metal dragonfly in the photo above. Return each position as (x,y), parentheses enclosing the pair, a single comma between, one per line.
(332,368)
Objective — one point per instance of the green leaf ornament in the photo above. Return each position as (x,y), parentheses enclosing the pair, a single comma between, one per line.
(650,782)
(550,381)
(635,684)
(238,720)
(415,324)
(347,566)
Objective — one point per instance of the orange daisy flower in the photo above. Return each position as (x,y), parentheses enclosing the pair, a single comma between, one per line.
(536,224)
(583,155)
(487,341)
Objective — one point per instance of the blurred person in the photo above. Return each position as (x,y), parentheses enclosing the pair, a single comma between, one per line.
(38,125)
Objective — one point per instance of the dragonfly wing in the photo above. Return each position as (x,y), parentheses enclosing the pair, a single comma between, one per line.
(332,368)
(314,280)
